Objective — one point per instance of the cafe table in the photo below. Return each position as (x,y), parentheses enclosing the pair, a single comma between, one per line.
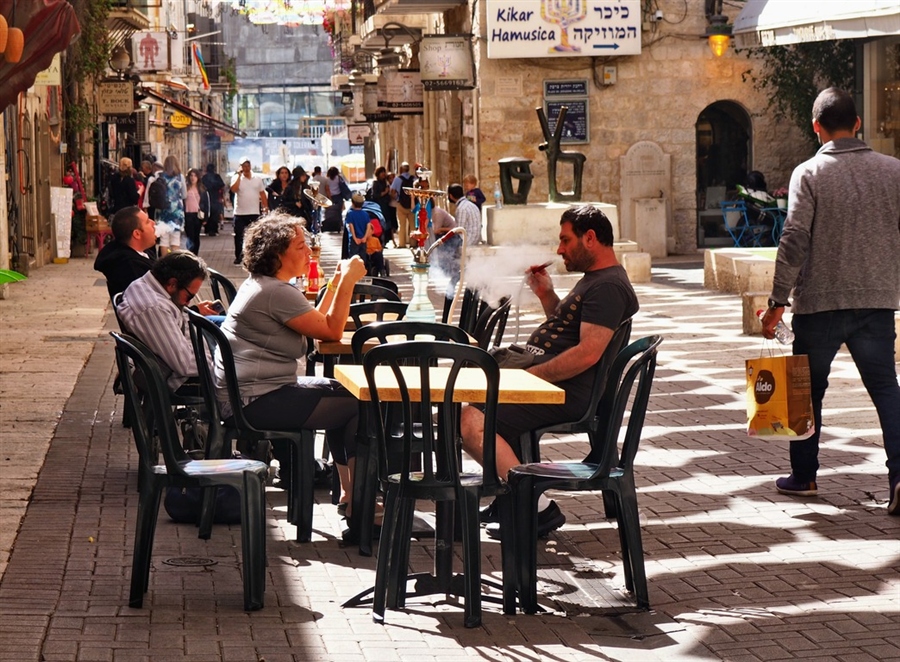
(517,386)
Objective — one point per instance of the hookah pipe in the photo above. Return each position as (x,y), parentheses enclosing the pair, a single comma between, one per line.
(462,264)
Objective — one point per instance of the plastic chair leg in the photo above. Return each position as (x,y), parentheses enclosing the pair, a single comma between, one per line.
(382,570)
(365,489)
(253,541)
(525,509)
(630,518)
(399,551)
(467,501)
(508,554)
(207,512)
(145,531)
(302,489)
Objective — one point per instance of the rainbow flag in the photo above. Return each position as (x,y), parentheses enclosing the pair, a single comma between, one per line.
(201,65)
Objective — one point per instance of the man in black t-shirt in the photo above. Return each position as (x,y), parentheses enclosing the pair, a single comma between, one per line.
(566,347)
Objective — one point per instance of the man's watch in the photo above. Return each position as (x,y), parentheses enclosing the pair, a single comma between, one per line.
(775,304)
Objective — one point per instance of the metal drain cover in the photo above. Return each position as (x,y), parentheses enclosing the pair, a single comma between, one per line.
(189,561)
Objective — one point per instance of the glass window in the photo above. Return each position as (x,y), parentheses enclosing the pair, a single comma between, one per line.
(248,117)
(886,110)
(271,113)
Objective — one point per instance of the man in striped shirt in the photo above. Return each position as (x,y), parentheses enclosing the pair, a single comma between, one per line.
(152,309)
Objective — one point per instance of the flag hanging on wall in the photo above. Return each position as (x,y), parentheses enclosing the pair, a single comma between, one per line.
(198,58)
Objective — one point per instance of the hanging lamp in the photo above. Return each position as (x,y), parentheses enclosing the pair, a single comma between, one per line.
(4,33)
(15,40)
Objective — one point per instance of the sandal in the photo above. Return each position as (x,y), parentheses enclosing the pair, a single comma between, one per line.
(342,508)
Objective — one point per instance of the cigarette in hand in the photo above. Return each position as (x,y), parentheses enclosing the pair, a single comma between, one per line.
(541,267)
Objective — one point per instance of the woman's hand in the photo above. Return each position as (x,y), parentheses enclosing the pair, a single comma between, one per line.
(353,269)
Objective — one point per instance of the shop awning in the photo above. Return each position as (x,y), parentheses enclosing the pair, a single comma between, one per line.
(195,114)
(784,22)
(49,27)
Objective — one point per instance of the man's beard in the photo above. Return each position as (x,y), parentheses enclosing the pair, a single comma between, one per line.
(579,259)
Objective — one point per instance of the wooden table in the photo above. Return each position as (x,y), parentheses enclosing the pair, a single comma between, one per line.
(516,386)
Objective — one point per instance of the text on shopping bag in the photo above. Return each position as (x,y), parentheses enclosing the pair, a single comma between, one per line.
(779,400)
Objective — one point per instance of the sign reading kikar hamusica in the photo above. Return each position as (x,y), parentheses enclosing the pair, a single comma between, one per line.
(563,28)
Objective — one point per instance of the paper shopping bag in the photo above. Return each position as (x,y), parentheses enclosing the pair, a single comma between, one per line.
(779,400)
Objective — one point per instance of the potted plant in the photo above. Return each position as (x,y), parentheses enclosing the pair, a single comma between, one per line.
(780,196)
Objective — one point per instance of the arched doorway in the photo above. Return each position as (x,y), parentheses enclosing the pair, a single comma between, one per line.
(723,134)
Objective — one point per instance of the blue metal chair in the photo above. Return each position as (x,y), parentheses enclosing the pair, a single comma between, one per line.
(737,223)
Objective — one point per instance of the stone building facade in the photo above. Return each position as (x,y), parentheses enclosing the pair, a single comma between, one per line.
(696,107)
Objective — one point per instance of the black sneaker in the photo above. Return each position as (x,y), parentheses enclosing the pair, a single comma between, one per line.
(490,513)
(548,520)
(793,487)
(894,505)
(237,260)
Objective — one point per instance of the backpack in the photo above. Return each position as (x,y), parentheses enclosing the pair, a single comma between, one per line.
(157,196)
(369,193)
(404,198)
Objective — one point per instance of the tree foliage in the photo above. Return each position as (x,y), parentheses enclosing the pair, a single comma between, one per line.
(86,60)
(792,76)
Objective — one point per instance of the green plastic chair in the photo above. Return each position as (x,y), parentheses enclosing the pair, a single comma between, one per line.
(605,468)
(179,470)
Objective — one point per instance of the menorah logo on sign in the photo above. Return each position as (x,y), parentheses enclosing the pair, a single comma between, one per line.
(561,28)
(563,13)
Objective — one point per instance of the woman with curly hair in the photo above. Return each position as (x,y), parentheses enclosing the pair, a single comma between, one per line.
(267,326)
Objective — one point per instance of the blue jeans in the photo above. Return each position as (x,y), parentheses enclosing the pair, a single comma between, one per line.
(869,335)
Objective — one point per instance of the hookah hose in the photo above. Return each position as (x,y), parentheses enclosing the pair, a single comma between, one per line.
(519,294)
(462,265)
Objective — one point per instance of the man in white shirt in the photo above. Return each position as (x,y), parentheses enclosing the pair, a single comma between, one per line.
(249,202)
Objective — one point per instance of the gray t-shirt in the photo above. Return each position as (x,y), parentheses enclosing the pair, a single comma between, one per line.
(265,350)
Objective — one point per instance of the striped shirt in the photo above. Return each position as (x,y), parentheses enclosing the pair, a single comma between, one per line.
(149,313)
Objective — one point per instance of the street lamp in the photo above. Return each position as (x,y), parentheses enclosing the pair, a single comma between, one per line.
(119,60)
(718,32)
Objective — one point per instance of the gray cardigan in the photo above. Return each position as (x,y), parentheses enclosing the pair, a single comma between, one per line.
(841,243)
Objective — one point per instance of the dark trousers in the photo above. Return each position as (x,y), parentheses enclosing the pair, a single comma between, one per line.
(211,223)
(869,335)
(192,232)
(241,223)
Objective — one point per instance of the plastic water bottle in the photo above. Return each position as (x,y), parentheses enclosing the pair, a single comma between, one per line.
(313,276)
(783,333)
(498,196)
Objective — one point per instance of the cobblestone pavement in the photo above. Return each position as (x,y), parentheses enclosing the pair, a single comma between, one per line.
(736,571)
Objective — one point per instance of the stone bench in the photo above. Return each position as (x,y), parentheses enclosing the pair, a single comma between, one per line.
(737,270)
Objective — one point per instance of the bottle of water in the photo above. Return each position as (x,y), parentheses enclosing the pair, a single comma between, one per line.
(783,333)
(498,196)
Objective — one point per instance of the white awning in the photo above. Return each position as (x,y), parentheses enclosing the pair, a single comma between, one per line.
(783,22)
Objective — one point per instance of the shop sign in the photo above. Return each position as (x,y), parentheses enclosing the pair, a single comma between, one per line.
(563,28)
(52,75)
(357,133)
(400,92)
(445,62)
(115,98)
(180,121)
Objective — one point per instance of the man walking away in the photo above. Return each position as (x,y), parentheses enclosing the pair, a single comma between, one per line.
(840,252)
